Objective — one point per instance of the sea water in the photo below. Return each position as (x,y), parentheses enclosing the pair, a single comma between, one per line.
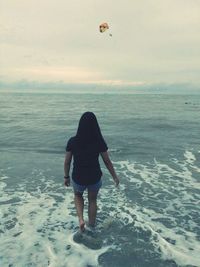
(152,219)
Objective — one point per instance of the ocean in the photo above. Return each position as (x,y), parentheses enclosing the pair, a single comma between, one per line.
(151,220)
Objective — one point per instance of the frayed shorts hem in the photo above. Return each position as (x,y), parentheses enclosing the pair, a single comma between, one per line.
(82,188)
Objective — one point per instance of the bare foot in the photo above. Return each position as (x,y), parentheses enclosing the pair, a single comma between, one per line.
(82,225)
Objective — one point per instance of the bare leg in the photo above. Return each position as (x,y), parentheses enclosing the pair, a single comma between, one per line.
(79,203)
(92,207)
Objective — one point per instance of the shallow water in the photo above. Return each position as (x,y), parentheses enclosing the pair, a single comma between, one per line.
(151,220)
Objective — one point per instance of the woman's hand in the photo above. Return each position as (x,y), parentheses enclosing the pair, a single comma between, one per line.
(67,182)
(67,162)
(110,167)
(116,181)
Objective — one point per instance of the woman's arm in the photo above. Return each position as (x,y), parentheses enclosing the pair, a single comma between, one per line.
(67,163)
(109,166)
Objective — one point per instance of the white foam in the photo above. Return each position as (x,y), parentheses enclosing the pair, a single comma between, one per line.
(186,247)
(190,157)
(42,229)
(191,160)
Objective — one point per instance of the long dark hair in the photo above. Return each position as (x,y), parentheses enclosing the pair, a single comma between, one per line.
(88,130)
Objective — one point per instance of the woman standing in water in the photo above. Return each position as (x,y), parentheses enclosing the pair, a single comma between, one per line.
(85,148)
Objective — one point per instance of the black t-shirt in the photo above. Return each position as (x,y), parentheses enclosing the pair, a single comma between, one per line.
(86,167)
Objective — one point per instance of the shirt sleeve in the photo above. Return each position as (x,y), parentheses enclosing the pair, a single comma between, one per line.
(69,145)
(103,146)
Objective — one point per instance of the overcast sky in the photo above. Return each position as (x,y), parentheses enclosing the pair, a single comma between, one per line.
(153,41)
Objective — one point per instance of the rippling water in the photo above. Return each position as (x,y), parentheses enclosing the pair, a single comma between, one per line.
(151,220)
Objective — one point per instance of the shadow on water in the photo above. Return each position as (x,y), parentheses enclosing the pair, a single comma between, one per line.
(131,246)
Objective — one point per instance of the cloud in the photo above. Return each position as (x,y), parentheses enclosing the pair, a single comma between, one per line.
(105,87)
(46,73)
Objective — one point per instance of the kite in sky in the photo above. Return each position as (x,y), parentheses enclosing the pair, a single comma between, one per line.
(104,27)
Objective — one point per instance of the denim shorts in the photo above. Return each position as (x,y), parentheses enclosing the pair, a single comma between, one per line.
(81,188)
